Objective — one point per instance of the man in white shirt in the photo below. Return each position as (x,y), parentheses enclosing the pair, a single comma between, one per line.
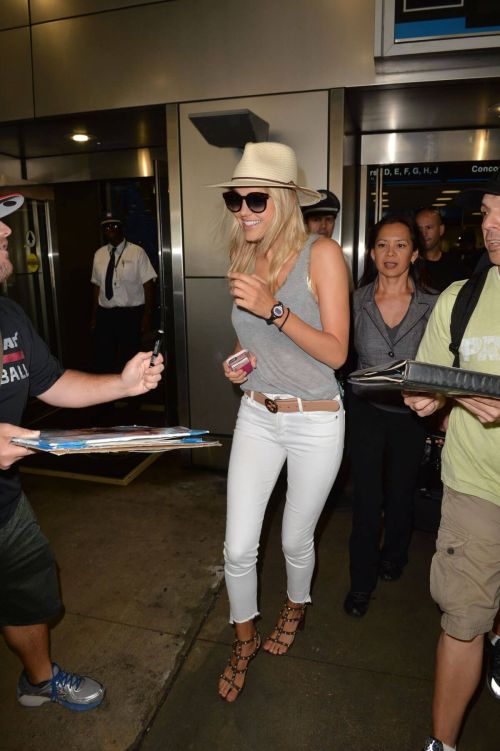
(123,298)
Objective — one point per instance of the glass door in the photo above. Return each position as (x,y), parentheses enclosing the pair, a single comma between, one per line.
(33,252)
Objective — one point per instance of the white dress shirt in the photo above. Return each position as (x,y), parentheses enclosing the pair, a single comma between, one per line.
(132,270)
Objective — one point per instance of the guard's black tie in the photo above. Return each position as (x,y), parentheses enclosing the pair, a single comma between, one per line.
(108,284)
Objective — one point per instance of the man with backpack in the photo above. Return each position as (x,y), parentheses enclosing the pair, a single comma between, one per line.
(465,571)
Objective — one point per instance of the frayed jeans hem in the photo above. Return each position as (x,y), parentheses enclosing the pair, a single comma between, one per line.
(306,601)
(233,621)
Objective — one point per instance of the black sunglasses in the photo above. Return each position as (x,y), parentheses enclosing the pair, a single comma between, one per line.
(256,202)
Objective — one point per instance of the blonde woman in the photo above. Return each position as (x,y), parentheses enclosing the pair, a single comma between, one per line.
(291,312)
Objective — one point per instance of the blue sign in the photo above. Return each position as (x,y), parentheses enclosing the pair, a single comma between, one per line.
(420,20)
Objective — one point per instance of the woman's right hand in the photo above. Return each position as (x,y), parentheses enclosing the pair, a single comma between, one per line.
(238,376)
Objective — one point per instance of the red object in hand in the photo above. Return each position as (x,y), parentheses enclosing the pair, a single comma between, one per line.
(240,361)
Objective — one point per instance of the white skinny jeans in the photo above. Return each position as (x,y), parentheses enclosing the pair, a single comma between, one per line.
(312,444)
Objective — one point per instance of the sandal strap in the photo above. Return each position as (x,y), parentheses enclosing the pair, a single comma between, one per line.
(230,682)
(286,611)
(277,640)
(283,619)
(239,643)
(235,670)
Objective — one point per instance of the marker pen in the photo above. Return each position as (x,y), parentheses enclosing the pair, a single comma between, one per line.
(156,348)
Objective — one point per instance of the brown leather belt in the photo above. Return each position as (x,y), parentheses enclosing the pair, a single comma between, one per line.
(293,405)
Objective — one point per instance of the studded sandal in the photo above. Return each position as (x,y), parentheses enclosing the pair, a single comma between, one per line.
(289,614)
(235,659)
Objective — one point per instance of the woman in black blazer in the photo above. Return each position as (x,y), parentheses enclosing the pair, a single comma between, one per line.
(390,313)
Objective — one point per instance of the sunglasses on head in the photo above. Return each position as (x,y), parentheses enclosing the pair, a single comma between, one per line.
(256,202)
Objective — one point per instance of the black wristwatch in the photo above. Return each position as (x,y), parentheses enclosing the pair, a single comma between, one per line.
(276,312)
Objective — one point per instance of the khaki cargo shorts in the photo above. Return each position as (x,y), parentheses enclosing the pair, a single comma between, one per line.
(465,570)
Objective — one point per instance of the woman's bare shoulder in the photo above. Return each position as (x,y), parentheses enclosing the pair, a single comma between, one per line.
(324,247)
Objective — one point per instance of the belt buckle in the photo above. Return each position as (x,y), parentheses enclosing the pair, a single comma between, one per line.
(271,405)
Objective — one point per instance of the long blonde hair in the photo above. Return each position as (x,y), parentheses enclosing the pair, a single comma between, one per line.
(286,232)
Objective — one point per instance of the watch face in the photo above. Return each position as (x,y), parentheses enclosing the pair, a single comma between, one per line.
(278,311)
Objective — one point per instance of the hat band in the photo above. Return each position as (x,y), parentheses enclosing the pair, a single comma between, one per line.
(289,184)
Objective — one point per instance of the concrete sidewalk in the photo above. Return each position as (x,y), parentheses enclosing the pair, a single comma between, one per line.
(347,684)
(145,613)
(139,566)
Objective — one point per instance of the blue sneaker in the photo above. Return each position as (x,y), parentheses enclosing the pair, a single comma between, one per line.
(77,692)
(431,744)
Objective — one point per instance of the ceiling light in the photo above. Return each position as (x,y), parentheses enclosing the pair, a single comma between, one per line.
(494,109)
(445,198)
(439,204)
(80,137)
(450,191)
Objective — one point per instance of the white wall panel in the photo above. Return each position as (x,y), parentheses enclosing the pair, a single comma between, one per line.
(189,50)
(10,170)
(16,94)
(200,49)
(13,13)
(213,401)
(50,10)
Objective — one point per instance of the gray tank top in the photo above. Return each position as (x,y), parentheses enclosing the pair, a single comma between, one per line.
(282,366)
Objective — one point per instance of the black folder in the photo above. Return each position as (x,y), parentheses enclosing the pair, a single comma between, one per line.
(410,375)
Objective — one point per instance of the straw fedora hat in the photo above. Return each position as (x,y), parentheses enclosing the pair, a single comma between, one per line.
(269,165)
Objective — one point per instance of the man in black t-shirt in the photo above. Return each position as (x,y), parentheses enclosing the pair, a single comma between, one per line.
(438,269)
(29,591)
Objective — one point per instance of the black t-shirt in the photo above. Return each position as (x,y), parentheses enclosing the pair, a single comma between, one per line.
(28,370)
(448,269)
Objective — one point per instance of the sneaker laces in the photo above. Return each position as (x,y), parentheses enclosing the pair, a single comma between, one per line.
(64,679)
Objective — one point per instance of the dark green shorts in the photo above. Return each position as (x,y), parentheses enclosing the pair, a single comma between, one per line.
(29,586)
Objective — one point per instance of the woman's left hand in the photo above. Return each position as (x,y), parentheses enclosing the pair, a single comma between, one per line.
(252,293)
